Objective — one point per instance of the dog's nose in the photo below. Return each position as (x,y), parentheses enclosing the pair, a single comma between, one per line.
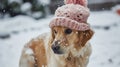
(55,48)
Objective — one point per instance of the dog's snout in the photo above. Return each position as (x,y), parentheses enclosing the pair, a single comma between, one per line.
(56,47)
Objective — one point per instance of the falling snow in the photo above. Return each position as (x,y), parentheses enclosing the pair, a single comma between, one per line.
(105,42)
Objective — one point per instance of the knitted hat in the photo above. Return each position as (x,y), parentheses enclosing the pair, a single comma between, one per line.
(73,15)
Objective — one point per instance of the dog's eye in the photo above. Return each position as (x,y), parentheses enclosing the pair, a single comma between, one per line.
(68,31)
(55,31)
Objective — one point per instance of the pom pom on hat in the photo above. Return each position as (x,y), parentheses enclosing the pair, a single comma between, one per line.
(80,2)
(73,12)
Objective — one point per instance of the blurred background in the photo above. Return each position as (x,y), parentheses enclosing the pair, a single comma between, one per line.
(22,20)
(41,8)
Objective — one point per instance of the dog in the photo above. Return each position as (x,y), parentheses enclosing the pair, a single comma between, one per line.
(62,47)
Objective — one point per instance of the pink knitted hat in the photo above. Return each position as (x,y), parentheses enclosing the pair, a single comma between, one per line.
(73,15)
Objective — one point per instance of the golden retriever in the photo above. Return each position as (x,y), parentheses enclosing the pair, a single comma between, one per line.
(64,47)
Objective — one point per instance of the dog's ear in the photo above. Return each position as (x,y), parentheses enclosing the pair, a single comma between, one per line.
(52,36)
(84,36)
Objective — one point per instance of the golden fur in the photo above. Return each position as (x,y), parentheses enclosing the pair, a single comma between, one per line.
(74,47)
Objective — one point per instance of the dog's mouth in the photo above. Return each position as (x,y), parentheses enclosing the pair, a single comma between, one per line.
(58,52)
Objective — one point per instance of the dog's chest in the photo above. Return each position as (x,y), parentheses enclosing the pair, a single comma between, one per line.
(55,61)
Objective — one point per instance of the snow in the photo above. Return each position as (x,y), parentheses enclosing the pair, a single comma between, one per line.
(37,14)
(18,1)
(116,7)
(44,2)
(26,7)
(105,42)
(22,24)
(104,18)
(29,51)
(101,1)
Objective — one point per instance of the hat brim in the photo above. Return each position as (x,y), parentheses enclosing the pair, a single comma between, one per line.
(72,24)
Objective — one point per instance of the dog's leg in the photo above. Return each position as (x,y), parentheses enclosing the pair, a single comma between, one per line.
(27,58)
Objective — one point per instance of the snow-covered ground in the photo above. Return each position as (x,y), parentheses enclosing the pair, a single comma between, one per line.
(105,43)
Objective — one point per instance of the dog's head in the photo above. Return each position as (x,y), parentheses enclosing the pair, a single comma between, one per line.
(64,40)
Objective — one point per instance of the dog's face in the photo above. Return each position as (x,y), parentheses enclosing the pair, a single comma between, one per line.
(64,40)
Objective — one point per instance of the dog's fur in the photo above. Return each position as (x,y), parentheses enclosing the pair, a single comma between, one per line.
(74,49)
